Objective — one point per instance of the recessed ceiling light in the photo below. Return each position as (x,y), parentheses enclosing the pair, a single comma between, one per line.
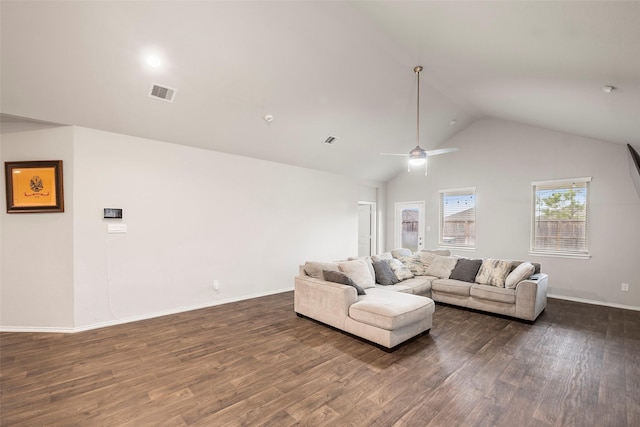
(609,89)
(453,122)
(268,118)
(154,61)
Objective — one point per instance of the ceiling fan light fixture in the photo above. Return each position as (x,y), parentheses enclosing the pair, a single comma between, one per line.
(417,156)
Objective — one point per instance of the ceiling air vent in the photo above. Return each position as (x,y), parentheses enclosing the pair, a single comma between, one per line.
(163,93)
(330,139)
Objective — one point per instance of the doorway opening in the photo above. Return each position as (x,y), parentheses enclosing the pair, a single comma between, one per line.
(366,228)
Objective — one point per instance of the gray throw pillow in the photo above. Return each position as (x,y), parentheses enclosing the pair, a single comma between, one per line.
(343,279)
(466,270)
(384,274)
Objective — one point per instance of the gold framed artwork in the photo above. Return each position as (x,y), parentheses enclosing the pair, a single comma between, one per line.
(34,186)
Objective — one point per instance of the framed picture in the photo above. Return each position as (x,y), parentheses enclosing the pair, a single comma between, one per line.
(34,186)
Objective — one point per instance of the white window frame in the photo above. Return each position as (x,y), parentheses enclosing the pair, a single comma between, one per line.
(441,237)
(563,253)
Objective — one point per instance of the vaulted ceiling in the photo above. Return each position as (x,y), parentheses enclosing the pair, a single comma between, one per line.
(342,69)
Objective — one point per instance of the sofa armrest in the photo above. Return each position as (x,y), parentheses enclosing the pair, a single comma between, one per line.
(324,301)
(531,297)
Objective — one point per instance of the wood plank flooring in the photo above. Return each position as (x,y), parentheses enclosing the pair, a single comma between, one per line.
(254,363)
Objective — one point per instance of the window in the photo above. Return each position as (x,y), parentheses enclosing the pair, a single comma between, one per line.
(560,217)
(458,217)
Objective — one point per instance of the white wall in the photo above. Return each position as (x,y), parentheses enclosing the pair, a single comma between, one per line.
(36,274)
(501,159)
(192,216)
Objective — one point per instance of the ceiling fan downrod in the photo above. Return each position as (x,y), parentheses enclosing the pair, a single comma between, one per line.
(417,156)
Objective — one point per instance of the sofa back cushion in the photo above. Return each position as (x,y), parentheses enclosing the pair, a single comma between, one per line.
(315,268)
(384,274)
(358,271)
(381,257)
(397,253)
(493,272)
(441,252)
(466,270)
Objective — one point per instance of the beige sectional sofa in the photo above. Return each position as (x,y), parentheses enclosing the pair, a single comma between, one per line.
(393,313)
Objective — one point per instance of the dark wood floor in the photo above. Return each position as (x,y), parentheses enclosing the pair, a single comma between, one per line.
(255,363)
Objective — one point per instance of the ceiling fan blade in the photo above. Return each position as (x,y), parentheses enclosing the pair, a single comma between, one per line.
(393,154)
(442,151)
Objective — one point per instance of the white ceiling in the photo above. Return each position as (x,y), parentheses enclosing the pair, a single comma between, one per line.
(323,68)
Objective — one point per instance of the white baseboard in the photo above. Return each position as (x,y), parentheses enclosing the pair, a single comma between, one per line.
(594,302)
(114,322)
(70,330)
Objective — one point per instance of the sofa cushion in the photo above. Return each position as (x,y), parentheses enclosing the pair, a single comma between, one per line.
(450,286)
(381,257)
(358,271)
(399,269)
(441,252)
(441,266)
(466,270)
(340,277)
(419,285)
(520,273)
(314,268)
(493,293)
(426,258)
(493,272)
(390,310)
(397,253)
(384,274)
(413,263)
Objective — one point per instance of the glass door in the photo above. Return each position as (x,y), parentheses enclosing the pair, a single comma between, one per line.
(409,225)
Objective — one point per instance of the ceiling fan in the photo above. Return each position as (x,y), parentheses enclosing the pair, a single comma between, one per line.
(418,156)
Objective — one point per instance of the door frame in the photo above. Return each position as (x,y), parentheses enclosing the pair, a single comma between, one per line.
(374,226)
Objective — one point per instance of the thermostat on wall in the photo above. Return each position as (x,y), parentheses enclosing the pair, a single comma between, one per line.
(111,213)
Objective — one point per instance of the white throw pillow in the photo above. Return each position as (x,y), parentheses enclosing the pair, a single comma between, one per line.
(441,266)
(358,271)
(413,263)
(399,269)
(520,273)
(369,262)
